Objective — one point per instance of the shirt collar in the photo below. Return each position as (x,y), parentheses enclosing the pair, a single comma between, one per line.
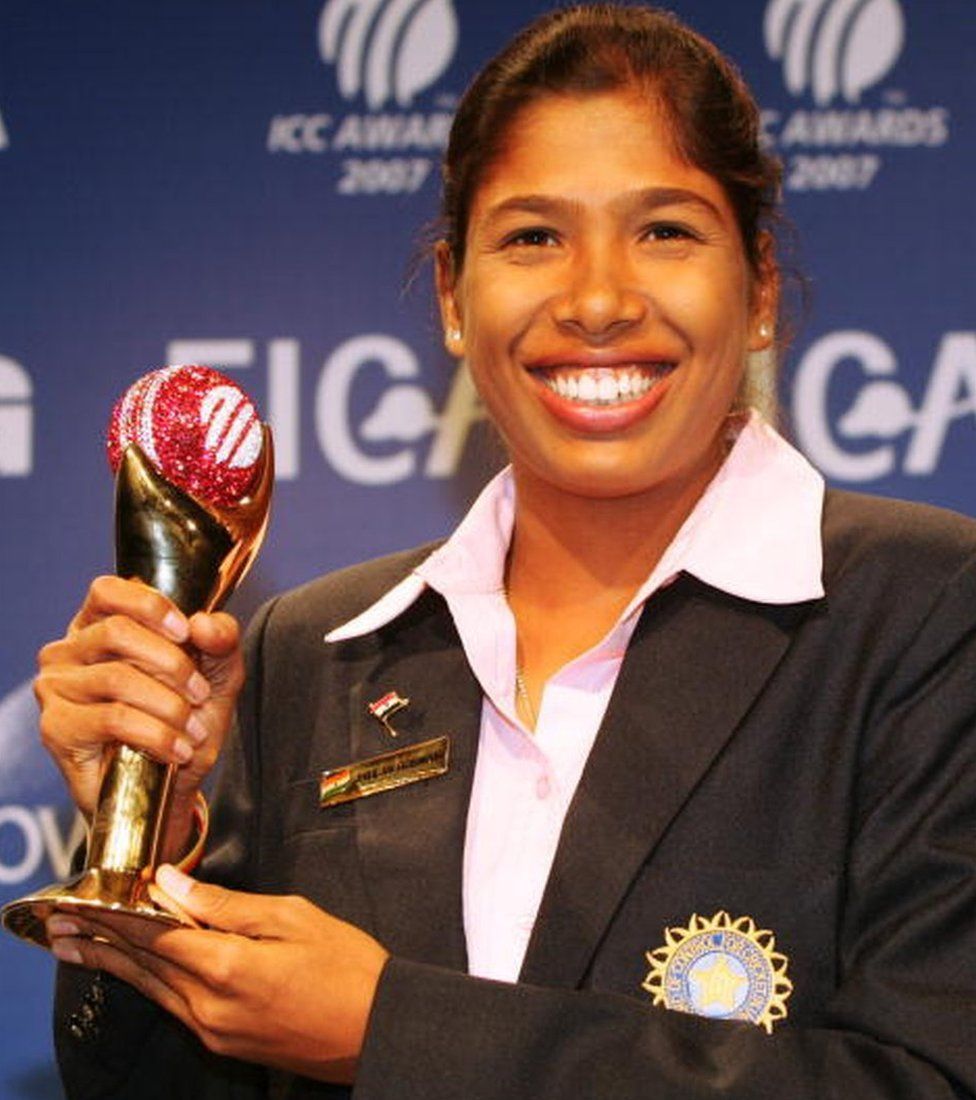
(754,533)
(471,560)
(756,530)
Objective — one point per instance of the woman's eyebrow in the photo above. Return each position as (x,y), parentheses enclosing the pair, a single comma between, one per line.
(544,205)
(644,198)
(651,198)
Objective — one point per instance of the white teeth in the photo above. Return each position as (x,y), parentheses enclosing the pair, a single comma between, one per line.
(588,388)
(603,387)
(606,388)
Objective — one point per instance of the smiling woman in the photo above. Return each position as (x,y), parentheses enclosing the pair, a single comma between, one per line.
(705,824)
(606,298)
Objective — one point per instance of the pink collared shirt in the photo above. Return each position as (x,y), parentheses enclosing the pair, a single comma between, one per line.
(754,533)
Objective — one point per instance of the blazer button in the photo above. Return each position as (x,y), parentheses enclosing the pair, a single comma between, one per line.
(85,1024)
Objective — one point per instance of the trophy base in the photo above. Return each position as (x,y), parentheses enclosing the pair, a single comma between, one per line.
(92,892)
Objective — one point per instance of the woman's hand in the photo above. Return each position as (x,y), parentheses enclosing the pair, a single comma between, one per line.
(123,672)
(273,980)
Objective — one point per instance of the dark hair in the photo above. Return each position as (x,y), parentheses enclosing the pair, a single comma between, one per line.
(604,47)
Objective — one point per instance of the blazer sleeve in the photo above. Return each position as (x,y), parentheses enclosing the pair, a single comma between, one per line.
(902,1020)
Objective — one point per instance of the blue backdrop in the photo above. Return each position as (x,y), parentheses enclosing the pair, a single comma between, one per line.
(244,183)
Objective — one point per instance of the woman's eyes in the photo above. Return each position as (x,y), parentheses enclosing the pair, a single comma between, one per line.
(540,236)
(669,231)
(535,236)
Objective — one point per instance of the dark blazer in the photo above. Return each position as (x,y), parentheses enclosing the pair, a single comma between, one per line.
(811,766)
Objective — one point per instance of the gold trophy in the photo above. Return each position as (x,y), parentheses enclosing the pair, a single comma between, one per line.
(195,554)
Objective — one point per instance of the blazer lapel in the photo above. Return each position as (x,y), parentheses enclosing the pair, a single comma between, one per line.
(411,839)
(696,662)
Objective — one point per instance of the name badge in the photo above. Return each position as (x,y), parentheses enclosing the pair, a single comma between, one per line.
(385,772)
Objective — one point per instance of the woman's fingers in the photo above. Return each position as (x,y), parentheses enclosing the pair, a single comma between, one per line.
(117,637)
(139,969)
(217,634)
(108,595)
(234,982)
(133,669)
(216,639)
(77,731)
(116,678)
(86,703)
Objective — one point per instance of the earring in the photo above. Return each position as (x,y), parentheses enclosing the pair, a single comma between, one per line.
(764,330)
(454,334)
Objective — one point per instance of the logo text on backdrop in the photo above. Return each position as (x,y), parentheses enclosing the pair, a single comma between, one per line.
(862,444)
(384,445)
(833,54)
(16,420)
(383,54)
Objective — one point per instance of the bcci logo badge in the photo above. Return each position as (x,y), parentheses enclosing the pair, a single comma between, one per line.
(834,47)
(387,49)
(725,968)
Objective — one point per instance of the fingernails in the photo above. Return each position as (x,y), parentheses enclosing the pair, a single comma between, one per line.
(198,688)
(174,882)
(66,952)
(182,750)
(196,729)
(176,626)
(62,926)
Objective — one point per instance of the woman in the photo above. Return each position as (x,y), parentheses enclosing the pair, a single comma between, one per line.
(708,828)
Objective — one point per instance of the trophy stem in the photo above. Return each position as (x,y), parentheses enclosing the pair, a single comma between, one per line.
(125,832)
(123,846)
(195,557)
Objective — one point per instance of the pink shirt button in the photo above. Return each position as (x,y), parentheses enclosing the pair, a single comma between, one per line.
(543,788)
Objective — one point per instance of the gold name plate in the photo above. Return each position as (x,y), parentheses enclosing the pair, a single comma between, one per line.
(385,772)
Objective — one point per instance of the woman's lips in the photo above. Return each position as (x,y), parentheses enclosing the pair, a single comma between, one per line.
(602,398)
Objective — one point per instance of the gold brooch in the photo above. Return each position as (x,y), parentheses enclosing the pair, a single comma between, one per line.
(725,968)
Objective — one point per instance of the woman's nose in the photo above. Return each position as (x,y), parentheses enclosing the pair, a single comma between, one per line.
(600,297)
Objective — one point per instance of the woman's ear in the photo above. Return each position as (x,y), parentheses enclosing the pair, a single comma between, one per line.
(447,299)
(764,304)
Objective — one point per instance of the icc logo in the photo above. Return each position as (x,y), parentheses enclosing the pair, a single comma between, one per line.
(387,49)
(834,47)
